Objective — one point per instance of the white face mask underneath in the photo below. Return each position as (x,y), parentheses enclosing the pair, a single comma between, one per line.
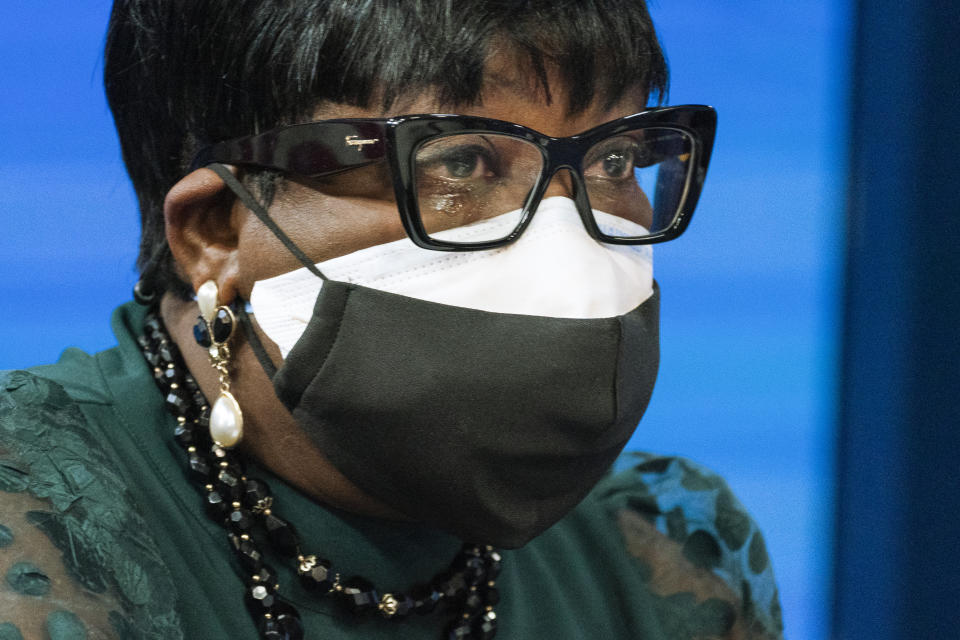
(555,269)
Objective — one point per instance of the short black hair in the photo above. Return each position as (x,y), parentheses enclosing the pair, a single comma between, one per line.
(181,74)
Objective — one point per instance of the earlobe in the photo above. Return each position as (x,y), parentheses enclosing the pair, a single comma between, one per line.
(201,230)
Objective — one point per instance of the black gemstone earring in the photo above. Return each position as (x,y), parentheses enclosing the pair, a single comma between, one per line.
(213,331)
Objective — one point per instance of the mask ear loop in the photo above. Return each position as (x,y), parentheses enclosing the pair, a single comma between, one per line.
(251,203)
(240,308)
(240,311)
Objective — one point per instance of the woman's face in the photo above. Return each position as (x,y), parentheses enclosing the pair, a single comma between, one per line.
(331,217)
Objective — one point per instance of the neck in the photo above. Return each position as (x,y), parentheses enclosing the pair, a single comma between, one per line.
(271,434)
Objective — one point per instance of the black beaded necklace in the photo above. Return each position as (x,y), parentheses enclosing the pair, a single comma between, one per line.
(245,508)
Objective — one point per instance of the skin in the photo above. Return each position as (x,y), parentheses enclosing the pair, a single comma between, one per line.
(214,237)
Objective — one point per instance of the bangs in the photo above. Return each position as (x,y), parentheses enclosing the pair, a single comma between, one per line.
(386,51)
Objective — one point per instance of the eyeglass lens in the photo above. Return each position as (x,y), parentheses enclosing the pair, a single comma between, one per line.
(471,187)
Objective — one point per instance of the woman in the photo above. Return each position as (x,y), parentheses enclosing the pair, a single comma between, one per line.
(369,343)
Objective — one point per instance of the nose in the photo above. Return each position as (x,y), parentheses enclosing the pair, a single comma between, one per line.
(561,184)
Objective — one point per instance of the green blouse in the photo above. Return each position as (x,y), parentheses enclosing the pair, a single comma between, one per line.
(102,535)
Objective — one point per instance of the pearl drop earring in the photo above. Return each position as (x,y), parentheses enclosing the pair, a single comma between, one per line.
(213,331)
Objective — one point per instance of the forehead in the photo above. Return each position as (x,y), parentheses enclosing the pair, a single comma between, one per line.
(510,92)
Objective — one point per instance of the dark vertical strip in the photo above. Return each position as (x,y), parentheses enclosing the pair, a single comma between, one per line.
(897,567)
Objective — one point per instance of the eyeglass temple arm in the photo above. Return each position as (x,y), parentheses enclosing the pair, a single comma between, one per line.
(312,149)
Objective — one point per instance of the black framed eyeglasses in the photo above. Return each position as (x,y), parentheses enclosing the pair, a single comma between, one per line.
(466,183)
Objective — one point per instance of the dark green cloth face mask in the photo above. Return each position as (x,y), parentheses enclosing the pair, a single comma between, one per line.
(489,426)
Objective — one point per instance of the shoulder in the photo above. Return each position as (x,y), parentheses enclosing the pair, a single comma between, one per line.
(43,427)
(67,511)
(695,542)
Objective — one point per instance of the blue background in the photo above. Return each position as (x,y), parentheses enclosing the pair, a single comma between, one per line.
(750,293)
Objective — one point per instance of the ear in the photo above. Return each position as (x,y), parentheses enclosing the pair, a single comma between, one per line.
(202,231)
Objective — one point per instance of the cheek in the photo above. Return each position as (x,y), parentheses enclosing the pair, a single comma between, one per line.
(322,226)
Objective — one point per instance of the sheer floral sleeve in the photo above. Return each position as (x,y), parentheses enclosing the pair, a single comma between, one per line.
(73,562)
(700,553)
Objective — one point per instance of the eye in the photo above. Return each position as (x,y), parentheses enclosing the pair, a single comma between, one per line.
(617,164)
(460,162)
(464,162)
(613,159)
